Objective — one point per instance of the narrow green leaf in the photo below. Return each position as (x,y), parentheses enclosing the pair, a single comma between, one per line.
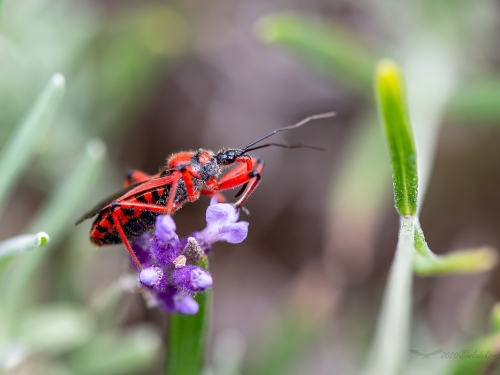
(186,338)
(426,263)
(16,154)
(20,244)
(460,262)
(58,215)
(390,347)
(328,47)
(392,108)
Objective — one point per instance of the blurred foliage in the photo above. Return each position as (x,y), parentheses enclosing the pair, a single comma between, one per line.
(330,48)
(316,41)
(112,64)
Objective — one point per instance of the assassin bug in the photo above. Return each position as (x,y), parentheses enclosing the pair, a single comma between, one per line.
(186,175)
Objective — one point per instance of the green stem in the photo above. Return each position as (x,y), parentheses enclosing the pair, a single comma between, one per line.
(186,338)
(388,354)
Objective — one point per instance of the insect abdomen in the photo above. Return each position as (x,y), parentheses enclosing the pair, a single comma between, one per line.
(134,221)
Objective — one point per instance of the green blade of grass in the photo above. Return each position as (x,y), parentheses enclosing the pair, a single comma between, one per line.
(392,108)
(330,48)
(20,244)
(388,353)
(16,154)
(389,350)
(58,215)
(426,263)
(186,338)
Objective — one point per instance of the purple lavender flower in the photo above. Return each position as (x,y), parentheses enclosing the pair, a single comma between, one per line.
(172,266)
(177,301)
(192,278)
(153,277)
(222,225)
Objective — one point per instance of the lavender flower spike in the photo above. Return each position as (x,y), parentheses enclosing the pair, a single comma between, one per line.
(172,269)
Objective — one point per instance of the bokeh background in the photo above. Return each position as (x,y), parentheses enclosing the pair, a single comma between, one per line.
(301,294)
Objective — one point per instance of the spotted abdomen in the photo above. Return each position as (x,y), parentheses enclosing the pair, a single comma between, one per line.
(134,221)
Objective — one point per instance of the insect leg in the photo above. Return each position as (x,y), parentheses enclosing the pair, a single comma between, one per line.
(187,176)
(117,214)
(210,193)
(173,191)
(252,183)
(240,178)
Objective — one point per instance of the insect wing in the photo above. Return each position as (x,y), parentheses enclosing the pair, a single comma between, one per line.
(128,192)
(103,203)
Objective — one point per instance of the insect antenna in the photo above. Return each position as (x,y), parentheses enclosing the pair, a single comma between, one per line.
(284,145)
(303,122)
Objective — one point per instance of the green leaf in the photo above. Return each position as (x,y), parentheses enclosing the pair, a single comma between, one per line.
(20,244)
(16,154)
(328,47)
(187,337)
(392,108)
(426,263)
(390,346)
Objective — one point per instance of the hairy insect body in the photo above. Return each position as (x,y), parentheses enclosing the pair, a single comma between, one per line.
(186,175)
(136,222)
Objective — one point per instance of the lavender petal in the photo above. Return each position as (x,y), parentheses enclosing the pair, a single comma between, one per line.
(192,278)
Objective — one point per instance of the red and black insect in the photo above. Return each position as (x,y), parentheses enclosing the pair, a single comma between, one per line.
(132,211)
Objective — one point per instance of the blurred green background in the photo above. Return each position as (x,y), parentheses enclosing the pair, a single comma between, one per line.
(301,294)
